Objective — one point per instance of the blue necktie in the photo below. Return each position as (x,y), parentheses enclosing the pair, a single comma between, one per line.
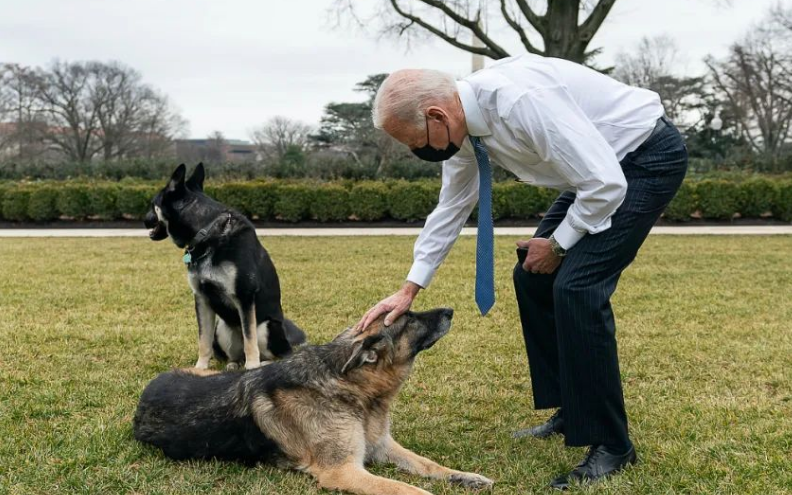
(485,259)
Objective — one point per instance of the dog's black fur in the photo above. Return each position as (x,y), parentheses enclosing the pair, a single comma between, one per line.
(201,435)
(234,416)
(230,272)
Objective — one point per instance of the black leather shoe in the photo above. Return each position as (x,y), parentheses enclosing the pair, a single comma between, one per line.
(553,426)
(598,464)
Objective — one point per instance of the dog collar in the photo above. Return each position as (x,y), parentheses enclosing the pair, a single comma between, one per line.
(200,237)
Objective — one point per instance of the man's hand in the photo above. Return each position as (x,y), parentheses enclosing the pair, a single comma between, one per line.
(540,258)
(395,305)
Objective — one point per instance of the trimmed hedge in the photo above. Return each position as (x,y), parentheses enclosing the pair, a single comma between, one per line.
(294,201)
(684,204)
(718,199)
(782,206)
(73,201)
(15,204)
(42,204)
(412,201)
(368,201)
(330,203)
(133,201)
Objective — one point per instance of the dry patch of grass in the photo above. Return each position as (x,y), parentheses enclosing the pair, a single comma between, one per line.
(703,328)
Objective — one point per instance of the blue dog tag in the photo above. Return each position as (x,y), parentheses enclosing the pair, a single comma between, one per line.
(187,258)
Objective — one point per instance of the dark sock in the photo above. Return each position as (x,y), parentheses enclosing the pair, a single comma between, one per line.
(619,448)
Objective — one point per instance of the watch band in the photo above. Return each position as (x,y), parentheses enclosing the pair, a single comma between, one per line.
(556,247)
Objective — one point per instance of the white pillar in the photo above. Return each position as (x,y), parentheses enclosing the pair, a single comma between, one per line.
(477,62)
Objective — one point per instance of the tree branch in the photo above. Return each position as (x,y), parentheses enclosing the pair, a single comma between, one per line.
(590,26)
(536,21)
(472,24)
(486,51)
(520,31)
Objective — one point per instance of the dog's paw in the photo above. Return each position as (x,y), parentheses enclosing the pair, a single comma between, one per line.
(251,365)
(471,481)
(202,365)
(232,366)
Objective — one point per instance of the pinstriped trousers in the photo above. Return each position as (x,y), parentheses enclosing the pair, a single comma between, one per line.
(567,320)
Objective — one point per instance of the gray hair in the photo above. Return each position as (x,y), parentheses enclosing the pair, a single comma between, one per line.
(405,95)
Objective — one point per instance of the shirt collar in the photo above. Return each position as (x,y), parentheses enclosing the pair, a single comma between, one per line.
(474,119)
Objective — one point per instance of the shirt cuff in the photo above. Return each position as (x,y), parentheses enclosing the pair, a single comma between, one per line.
(566,236)
(421,273)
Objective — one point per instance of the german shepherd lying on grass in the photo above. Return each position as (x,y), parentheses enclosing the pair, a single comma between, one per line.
(231,275)
(324,410)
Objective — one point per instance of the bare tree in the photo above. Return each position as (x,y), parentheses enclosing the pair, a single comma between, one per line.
(158,126)
(82,110)
(653,65)
(134,120)
(755,81)
(652,59)
(21,120)
(279,134)
(65,91)
(565,27)
(216,146)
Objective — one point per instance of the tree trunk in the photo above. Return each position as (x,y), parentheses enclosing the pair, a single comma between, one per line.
(562,38)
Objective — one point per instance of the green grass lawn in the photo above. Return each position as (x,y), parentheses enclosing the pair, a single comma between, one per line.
(703,328)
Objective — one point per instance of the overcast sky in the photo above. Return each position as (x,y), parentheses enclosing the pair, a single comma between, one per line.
(230,65)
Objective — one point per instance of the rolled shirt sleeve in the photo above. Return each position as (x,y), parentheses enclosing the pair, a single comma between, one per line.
(458,196)
(550,122)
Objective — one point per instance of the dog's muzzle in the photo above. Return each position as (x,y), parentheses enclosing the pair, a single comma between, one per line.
(157,230)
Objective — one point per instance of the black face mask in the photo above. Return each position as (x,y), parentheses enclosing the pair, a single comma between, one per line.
(429,154)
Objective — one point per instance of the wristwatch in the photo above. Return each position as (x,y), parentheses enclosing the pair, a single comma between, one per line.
(556,247)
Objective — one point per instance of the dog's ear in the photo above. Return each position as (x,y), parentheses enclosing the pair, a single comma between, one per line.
(177,179)
(365,352)
(196,180)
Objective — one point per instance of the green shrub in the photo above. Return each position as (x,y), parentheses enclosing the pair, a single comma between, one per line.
(412,200)
(783,203)
(263,195)
(103,200)
(235,195)
(368,201)
(718,199)
(42,204)
(330,203)
(500,202)
(683,204)
(757,197)
(73,200)
(4,186)
(528,201)
(133,201)
(15,204)
(293,202)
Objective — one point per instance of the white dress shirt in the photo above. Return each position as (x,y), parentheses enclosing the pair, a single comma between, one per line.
(551,123)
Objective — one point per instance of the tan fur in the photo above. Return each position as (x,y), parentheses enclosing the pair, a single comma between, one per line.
(250,338)
(324,437)
(206,331)
(199,371)
(353,478)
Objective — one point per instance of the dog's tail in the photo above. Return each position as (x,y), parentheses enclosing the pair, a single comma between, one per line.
(294,334)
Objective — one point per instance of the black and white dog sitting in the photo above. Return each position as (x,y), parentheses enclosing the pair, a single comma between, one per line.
(236,288)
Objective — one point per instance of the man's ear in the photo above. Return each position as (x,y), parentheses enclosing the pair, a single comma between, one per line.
(196,180)
(177,179)
(365,352)
(436,113)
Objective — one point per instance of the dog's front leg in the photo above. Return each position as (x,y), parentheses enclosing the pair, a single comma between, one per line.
(353,478)
(247,319)
(206,330)
(390,451)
